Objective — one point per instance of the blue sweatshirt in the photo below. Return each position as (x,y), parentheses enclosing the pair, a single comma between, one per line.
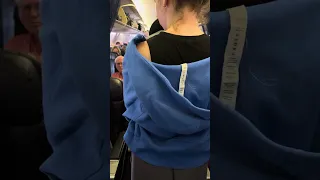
(274,131)
(165,128)
(76,73)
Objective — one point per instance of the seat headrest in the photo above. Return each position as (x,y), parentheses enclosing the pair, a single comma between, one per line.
(20,61)
(21,89)
(116,89)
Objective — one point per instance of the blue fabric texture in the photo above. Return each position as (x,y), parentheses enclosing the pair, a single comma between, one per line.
(76,73)
(274,132)
(165,128)
(7,20)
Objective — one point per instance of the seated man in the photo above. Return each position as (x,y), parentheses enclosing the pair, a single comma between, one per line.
(28,43)
(118,61)
(123,50)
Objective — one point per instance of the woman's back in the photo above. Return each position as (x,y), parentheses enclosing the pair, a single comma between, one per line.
(166,93)
(170,49)
(167,120)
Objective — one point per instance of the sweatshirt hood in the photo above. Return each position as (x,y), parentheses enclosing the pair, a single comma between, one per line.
(157,85)
(168,127)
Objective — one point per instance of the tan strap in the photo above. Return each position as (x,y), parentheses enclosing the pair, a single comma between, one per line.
(233,55)
(183,78)
(154,34)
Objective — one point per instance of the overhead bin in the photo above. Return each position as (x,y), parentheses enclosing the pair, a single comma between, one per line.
(129,20)
(120,27)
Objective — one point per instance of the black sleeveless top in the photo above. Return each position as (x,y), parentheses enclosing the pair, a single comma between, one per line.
(170,49)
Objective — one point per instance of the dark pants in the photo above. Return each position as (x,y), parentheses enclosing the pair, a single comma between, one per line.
(143,171)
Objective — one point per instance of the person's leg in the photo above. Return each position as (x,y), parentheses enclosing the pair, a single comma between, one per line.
(198,173)
(140,170)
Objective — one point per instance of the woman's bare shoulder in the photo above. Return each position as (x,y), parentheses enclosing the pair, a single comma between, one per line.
(144,50)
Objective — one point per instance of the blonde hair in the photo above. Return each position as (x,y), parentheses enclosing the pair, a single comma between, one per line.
(116,47)
(204,13)
(200,7)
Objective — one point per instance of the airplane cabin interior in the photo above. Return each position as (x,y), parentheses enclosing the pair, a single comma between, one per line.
(134,17)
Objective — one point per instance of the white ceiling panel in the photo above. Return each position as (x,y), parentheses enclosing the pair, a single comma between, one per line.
(147,10)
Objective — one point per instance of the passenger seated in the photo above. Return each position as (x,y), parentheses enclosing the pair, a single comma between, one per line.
(116,49)
(123,50)
(117,121)
(118,62)
(22,118)
(28,43)
(167,96)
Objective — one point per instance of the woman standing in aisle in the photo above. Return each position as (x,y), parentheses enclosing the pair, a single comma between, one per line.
(169,119)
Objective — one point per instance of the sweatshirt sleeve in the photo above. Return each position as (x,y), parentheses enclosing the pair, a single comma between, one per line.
(76,71)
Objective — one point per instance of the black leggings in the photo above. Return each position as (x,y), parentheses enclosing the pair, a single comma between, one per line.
(140,170)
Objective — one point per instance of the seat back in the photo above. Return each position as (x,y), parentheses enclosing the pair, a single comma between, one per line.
(21,115)
(117,122)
